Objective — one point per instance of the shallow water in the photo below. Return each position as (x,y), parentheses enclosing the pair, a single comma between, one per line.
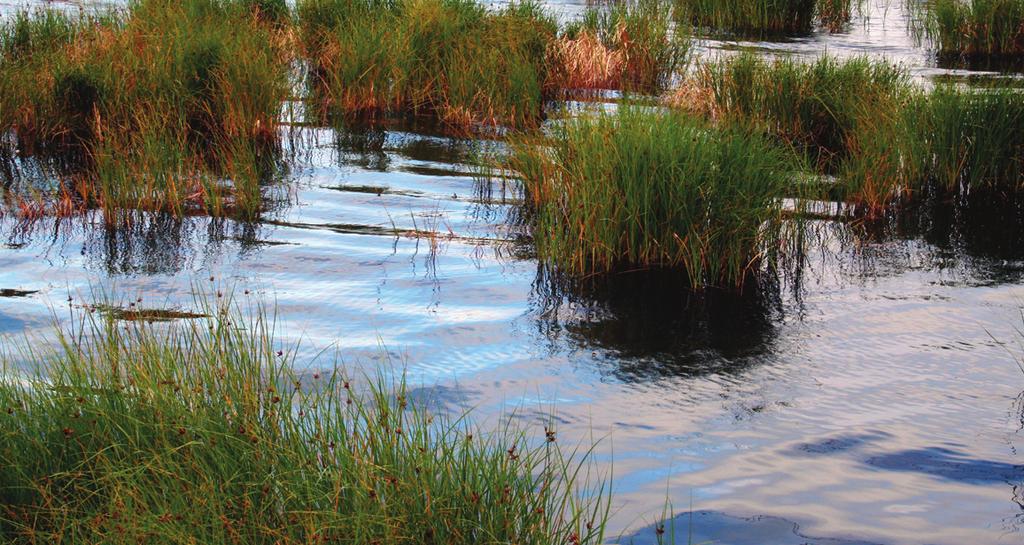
(866,396)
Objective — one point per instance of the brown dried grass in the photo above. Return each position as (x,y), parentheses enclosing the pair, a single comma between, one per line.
(586,63)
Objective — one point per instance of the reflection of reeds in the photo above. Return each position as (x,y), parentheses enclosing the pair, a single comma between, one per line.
(972,28)
(202,431)
(641,188)
(959,142)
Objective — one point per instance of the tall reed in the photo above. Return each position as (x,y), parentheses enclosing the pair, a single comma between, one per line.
(765,17)
(449,59)
(972,28)
(189,87)
(952,141)
(203,431)
(643,188)
(631,45)
(819,107)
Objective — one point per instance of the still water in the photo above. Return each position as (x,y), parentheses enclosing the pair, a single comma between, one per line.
(869,394)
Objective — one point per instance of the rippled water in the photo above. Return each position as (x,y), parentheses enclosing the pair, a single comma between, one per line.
(866,396)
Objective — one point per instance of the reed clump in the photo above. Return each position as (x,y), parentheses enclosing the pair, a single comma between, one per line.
(972,28)
(146,101)
(643,188)
(760,18)
(629,45)
(449,59)
(961,143)
(469,67)
(821,108)
(201,431)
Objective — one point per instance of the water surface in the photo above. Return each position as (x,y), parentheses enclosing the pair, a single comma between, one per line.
(863,396)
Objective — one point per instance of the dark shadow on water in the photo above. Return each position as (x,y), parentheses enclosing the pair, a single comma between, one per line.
(982,236)
(13,292)
(1003,64)
(649,324)
(944,463)
(835,445)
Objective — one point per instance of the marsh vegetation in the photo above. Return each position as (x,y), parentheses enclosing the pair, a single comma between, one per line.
(167,106)
(972,28)
(203,430)
(667,174)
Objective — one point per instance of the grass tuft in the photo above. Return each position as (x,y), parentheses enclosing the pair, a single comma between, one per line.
(186,88)
(819,107)
(972,28)
(761,18)
(449,59)
(641,188)
(629,45)
(963,143)
(201,431)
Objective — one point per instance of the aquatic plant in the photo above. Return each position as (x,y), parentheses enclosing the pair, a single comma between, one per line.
(972,28)
(952,141)
(629,45)
(645,188)
(449,59)
(765,17)
(820,107)
(975,138)
(201,430)
(467,66)
(188,89)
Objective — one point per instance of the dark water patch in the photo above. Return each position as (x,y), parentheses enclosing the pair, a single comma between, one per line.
(372,190)
(723,529)
(432,171)
(256,243)
(649,324)
(11,292)
(984,231)
(440,397)
(1010,64)
(985,79)
(139,314)
(843,443)
(949,464)
(375,230)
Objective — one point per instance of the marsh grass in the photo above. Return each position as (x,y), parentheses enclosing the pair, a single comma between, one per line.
(449,59)
(761,18)
(155,96)
(975,138)
(972,28)
(951,142)
(642,188)
(470,67)
(202,431)
(630,45)
(821,107)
